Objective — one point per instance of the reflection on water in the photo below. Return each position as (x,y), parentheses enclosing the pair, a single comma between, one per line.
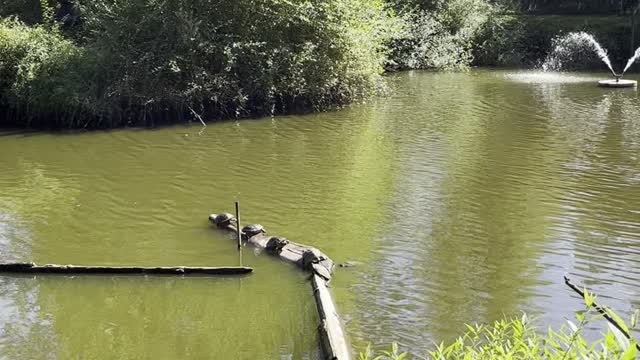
(503,190)
(464,196)
(26,331)
(153,318)
(545,77)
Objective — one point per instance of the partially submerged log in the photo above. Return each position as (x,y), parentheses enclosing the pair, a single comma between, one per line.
(334,344)
(32,268)
(308,258)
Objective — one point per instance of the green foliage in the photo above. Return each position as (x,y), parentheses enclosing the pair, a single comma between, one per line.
(518,339)
(138,62)
(498,42)
(392,354)
(47,11)
(39,71)
(143,60)
(439,36)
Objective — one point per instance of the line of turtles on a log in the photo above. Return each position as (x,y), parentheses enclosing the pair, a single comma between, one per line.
(307,257)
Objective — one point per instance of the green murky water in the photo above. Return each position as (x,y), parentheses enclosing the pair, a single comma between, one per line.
(464,196)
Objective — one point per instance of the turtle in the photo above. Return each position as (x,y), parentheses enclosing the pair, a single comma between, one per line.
(275,245)
(312,256)
(253,230)
(349,264)
(223,219)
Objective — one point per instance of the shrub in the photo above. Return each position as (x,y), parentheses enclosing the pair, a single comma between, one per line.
(39,74)
(498,42)
(440,35)
(147,60)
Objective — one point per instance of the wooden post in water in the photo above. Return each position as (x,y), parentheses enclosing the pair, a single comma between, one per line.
(238,226)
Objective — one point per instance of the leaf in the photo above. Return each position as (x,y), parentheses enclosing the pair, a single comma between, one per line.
(621,339)
(366,355)
(573,326)
(609,341)
(470,329)
(634,318)
(617,319)
(588,299)
(631,352)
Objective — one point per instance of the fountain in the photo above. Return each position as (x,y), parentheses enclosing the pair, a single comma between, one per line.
(567,46)
(618,82)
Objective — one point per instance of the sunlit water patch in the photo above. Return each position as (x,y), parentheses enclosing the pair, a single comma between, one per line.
(544,77)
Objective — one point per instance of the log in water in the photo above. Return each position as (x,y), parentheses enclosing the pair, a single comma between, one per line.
(306,257)
(31,268)
(332,338)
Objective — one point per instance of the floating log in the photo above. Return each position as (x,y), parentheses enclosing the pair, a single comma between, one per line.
(306,257)
(334,343)
(32,268)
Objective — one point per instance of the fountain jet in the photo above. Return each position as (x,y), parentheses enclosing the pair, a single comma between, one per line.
(567,47)
(633,59)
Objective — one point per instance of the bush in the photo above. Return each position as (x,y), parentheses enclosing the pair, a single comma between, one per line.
(498,42)
(439,36)
(39,74)
(143,61)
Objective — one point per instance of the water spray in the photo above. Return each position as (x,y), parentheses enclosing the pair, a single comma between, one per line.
(567,48)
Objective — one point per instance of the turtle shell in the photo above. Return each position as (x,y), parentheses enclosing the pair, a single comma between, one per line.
(223,218)
(275,244)
(253,229)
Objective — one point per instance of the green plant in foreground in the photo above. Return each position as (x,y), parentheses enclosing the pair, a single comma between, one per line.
(391,354)
(518,339)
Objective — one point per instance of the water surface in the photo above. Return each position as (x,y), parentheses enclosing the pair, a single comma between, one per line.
(465,197)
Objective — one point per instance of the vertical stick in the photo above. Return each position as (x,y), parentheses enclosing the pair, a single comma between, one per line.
(238,225)
(238,232)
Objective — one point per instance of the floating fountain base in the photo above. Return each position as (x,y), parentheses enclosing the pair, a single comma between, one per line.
(617,83)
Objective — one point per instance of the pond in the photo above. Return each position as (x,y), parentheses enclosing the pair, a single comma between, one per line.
(462,197)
